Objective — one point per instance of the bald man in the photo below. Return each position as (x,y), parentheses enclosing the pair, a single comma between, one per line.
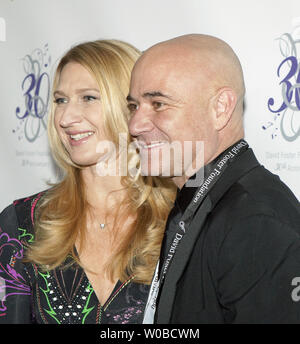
(231,250)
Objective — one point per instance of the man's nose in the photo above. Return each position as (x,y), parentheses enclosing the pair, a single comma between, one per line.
(71,114)
(140,122)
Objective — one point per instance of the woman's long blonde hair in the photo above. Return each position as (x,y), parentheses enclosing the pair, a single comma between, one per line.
(61,214)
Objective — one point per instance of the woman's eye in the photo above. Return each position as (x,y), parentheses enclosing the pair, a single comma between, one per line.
(60,101)
(89,98)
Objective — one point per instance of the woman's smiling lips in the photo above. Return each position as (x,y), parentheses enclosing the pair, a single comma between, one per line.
(79,137)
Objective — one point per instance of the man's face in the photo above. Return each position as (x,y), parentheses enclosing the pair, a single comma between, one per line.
(169,104)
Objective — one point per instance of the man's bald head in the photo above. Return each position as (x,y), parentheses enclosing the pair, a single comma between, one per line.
(205,56)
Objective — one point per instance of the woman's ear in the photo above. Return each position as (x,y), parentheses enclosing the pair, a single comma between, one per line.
(224,105)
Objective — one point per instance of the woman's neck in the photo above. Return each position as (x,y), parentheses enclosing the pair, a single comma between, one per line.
(98,188)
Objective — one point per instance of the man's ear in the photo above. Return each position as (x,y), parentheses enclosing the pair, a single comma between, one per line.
(224,105)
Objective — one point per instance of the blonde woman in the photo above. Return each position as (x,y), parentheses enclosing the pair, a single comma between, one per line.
(84,251)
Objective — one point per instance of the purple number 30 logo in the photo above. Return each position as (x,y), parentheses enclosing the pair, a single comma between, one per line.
(289,73)
(36,92)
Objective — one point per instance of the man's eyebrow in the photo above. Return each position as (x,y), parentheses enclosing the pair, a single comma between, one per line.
(149,95)
(130,99)
(156,94)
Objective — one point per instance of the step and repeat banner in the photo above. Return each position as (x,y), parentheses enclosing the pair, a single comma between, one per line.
(34,34)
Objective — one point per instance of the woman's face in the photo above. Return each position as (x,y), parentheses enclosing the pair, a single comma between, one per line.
(78,118)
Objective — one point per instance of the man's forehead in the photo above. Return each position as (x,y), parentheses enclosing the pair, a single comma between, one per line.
(157,85)
(169,62)
(160,69)
(163,79)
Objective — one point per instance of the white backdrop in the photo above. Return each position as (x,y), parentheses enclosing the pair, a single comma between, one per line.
(35,33)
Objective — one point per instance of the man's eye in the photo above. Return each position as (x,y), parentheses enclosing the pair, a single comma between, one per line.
(132,107)
(60,101)
(157,105)
(89,98)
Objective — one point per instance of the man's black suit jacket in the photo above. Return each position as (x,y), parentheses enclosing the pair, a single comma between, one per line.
(243,263)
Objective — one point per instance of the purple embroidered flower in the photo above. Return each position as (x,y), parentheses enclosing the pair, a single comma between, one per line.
(116,317)
(12,282)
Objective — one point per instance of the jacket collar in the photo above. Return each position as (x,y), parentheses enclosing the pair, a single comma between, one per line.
(241,166)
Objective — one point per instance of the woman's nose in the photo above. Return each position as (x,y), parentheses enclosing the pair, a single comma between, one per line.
(70,114)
